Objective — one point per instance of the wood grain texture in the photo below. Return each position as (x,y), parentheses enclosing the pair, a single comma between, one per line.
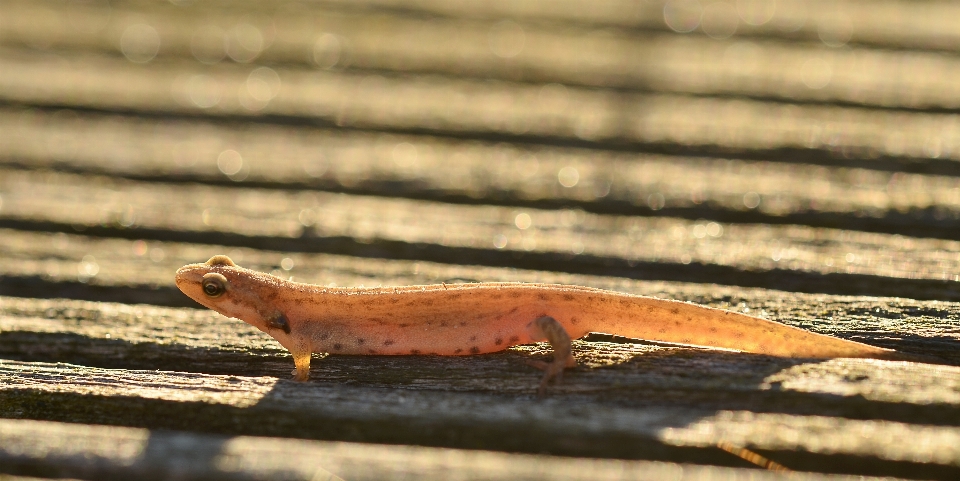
(530,50)
(500,421)
(421,166)
(121,453)
(469,107)
(795,160)
(726,252)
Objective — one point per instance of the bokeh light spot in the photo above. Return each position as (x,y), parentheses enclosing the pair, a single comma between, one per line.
(327,51)
(208,44)
(714,229)
(87,268)
(835,30)
(404,154)
(316,166)
(682,16)
(230,162)
(523,221)
(756,12)
(204,91)
(656,201)
(245,43)
(568,176)
(263,84)
(719,20)
(140,43)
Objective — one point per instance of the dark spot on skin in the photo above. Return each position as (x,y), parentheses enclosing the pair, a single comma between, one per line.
(443,324)
(458,351)
(568,297)
(414,351)
(511,311)
(713,330)
(675,310)
(360,341)
(542,296)
(388,342)
(463,323)
(498,341)
(404,325)
(371,351)
(279,321)
(325,336)
(516,294)
(574,321)
(514,339)
(475,350)
(337,346)
(473,338)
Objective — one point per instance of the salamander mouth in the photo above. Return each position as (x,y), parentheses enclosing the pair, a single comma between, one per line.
(190,275)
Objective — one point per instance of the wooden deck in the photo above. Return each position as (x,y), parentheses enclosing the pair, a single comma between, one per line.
(796,160)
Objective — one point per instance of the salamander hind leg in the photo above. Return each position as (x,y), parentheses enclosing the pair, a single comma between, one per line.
(548,328)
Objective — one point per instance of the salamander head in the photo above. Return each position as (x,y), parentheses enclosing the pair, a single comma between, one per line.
(231,290)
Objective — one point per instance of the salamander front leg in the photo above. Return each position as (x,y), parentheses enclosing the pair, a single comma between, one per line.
(548,328)
(302,362)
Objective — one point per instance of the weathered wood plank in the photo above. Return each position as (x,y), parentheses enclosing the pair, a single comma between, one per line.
(532,52)
(421,167)
(675,249)
(563,425)
(99,362)
(100,452)
(143,337)
(891,23)
(472,107)
(61,264)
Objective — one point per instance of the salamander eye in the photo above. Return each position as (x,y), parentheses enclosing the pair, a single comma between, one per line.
(214,285)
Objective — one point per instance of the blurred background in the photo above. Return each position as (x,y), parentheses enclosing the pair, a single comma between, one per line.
(767,156)
(737,140)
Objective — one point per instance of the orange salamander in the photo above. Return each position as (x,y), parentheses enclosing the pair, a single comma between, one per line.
(465,319)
